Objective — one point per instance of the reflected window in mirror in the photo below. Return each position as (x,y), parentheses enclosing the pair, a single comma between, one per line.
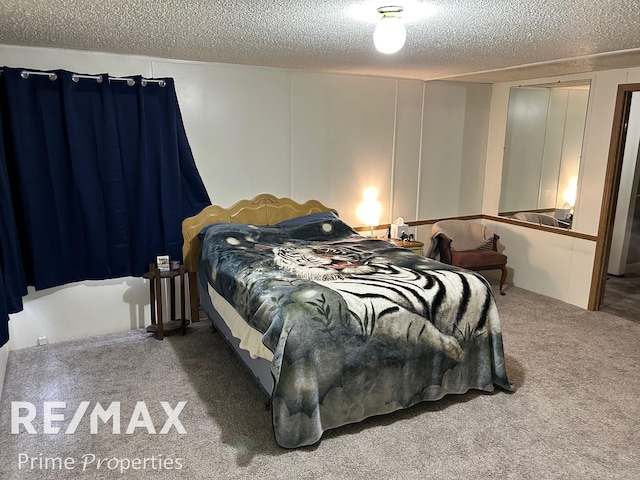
(542,152)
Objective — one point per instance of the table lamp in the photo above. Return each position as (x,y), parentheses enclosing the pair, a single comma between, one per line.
(369,209)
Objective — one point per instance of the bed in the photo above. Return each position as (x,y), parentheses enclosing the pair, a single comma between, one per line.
(334,326)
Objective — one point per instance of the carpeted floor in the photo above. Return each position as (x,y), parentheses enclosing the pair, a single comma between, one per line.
(622,296)
(575,414)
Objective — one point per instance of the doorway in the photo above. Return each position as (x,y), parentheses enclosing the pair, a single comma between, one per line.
(610,195)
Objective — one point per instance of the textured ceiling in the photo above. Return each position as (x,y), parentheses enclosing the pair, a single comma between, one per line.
(471,40)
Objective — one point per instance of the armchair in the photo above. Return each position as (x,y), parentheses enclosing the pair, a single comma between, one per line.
(468,245)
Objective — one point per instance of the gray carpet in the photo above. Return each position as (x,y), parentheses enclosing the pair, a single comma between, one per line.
(622,296)
(575,413)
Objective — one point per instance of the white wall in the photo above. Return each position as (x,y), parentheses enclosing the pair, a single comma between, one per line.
(334,151)
(289,133)
(79,310)
(454,136)
(556,265)
(408,150)
(237,122)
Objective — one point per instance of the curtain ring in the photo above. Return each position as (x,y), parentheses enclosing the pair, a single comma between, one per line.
(143,82)
(162,83)
(53,76)
(75,78)
(24,74)
(131,82)
(99,79)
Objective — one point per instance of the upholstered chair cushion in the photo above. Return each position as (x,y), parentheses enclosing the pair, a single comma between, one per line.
(474,259)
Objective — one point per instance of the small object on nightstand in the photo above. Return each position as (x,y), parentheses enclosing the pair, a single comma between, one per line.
(398,228)
(162,262)
(155,276)
(413,245)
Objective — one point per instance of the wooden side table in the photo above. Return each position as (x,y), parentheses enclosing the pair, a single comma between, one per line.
(414,246)
(155,277)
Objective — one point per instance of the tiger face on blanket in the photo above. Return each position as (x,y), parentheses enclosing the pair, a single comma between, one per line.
(411,304)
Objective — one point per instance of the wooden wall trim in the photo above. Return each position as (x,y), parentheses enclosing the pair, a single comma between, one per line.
(520,223)
(417,223)
(544,228)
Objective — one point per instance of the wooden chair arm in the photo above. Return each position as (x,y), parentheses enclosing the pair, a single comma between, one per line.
(444,248)
(494,242)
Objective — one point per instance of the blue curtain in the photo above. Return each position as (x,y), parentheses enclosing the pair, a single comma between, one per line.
(96,177)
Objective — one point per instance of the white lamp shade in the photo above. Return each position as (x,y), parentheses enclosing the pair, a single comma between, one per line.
(369,212)
(390,34)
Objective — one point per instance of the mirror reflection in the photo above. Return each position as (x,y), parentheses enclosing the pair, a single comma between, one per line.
(543,147)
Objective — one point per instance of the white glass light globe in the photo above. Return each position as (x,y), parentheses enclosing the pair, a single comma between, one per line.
(390,34)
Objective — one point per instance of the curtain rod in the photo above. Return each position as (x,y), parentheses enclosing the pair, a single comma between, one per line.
(77,76)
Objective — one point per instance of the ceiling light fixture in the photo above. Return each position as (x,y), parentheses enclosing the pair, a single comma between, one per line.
(390,34)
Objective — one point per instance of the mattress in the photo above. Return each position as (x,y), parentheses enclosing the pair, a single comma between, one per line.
(244,340)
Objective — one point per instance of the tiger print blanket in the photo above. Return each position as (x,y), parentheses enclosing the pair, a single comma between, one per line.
(358,326)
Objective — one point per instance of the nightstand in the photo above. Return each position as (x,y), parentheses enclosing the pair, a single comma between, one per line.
(155,278)
(414,246)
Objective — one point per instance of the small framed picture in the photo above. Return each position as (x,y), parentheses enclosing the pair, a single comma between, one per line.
(162,261)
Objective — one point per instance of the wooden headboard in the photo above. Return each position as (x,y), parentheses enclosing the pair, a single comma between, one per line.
(264,209)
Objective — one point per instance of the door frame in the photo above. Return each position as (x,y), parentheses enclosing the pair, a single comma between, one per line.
(610,193)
